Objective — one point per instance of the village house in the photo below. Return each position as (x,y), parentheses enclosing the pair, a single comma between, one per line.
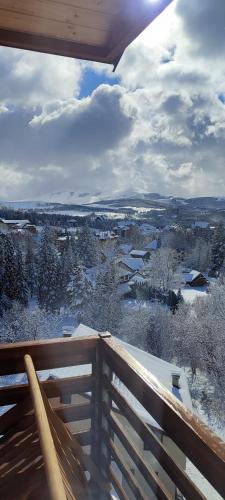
(152,245)
(124,248)
(140,254)
(195,278)
(12,225)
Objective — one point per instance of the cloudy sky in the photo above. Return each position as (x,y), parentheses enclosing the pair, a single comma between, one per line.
(157,125)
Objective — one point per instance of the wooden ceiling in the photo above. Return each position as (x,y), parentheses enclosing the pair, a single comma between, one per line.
(97,30)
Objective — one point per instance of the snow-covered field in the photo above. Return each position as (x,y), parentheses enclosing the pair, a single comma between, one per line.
(190,294)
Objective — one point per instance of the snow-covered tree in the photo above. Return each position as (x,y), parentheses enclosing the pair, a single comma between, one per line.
(30,267)
(79,289)
(199,256)
(87,245)
(103,310)
(49,275)
(218,245)
(160,269)
(21,324)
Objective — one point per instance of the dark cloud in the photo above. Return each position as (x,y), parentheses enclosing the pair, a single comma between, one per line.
(203,23)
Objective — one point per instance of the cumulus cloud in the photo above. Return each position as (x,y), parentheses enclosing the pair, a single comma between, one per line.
(162,128)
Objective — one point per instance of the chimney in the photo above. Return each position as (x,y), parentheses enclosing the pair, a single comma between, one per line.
(67,331)
(176,380)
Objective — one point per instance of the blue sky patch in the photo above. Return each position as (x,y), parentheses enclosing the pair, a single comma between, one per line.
(91,80)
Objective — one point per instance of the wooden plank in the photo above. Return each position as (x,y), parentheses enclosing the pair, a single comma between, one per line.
(54,46)
(195,439)
(70,31)
(53,388)
(97,30)
(15,414)
(138,458)
(83,437)
(61,12)
(130,478)
(53,474)
(63,435)
(47,354)
(173,469)
(117,486)
(103,6)
(73,412)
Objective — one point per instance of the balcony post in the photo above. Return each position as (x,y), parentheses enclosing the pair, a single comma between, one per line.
(99,451)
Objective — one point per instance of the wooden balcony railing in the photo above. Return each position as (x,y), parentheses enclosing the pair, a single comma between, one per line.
(101,419)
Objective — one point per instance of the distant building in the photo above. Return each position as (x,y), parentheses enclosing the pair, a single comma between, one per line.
(124,249)
(17,225)
(200,225)
(140,254)
(195,278)
(10,225)
(152,245)
(148,229)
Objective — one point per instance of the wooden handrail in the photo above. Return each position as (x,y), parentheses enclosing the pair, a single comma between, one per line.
(47,354)
(12,394)
(194,438)
(53,473)
(173,469)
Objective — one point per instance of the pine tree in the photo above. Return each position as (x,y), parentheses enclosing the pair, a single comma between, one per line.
(87,248)
(79,289)
(30,268)
(22,291)
(49,275)
(103,311)
(218,246)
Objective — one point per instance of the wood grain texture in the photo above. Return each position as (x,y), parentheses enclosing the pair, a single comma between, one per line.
(195,439)
(47,354)
(53,388)
(49,25)
(53,473)
(173,469)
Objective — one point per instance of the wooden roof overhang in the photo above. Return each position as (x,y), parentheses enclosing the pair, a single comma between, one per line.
(97,30)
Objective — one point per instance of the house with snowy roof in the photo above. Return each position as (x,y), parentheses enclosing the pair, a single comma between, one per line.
(200,225)
(148,229)
(13,224)
(152,245)
(195,278)
(127,267)
(140,254)
(124,248)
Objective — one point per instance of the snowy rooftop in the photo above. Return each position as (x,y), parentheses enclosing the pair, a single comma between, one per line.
(125,248)
(152,245)
(140,253)
(132,263)
(191,276)
(200,224)
(17,222)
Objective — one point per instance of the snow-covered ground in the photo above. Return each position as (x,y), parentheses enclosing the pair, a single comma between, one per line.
(190,294)
(80,213)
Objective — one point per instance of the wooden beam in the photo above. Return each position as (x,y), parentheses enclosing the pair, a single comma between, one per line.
(47,354)
(195,439)
(138,458)
(53,388)
(47,45)
(53,473)
(129,477)
(173,469)
(117,485)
